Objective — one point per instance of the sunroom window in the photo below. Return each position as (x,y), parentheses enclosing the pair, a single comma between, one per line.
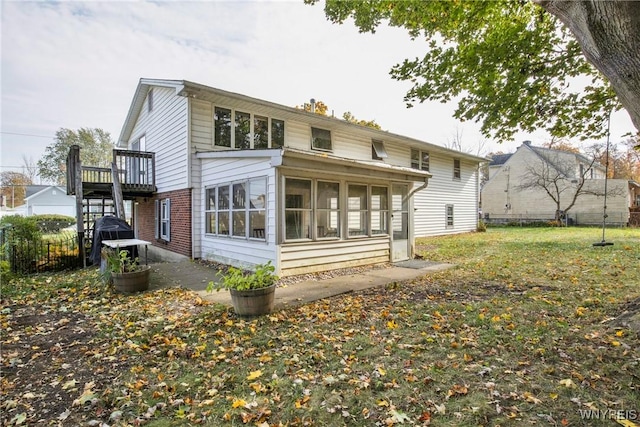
(297,208)
(357,210)
(328,209)
(379,210)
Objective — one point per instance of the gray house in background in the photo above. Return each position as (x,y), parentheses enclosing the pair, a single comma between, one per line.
(47,199)
(507,196)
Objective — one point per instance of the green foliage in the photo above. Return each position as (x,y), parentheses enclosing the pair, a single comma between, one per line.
(96,148)
(351,119)
(119,261)
(509,64)
(53,223)
(482,227)
(235,278)
(22,227)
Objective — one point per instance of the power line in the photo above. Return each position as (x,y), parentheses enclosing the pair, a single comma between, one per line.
(27,134)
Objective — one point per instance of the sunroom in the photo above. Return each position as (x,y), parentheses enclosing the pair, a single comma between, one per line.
(305,211)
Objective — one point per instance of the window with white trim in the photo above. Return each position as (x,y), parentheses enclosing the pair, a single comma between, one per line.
(456,169)
(237,209)
(449,215)
(378,152)
(246,130)
(420,159)
(321,139)
(163,219)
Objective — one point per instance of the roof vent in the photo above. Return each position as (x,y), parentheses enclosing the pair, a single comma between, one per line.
(527,142)
(313,105)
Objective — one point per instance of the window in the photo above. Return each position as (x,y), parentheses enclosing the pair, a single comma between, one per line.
(379,210)
(420,159)
(328,209)
(297,208)
(449,215)
(357,210)
(456,168)
(150,100)
(163,219)
(222,124)
(277,133)
(377,150)
(260,132)
(237,209)
(250,131)
(243,130)
(320,139)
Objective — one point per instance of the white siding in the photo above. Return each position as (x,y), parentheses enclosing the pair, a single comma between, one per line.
(165,131)
(430,203)
(237,251)
(321,256)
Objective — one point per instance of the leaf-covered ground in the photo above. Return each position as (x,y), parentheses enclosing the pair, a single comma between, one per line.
(525,330)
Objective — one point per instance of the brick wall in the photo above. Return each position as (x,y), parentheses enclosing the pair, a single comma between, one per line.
(180,221)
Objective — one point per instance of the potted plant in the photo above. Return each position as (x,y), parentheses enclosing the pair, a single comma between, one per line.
(252,293)
(126,273)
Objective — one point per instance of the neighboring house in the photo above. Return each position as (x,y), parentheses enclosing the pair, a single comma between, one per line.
(47,199)
(509,196)
(243,181)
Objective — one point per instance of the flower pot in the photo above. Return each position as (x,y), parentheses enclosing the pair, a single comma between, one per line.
(134,281)
(253,302)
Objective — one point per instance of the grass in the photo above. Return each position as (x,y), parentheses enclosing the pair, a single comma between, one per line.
(521,331)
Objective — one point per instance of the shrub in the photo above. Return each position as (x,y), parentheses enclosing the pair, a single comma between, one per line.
(22,227)
(53,223)
(237,279)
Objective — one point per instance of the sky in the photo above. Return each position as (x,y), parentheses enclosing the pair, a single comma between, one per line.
(77,64)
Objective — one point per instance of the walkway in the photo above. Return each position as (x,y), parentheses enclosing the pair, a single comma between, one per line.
(195,276)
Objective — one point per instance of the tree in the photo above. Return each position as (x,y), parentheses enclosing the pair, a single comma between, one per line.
(319,107)
(368,123)
(30,168)
(14,188)
(624,160)
(96,150)
(511,65)
(555,175)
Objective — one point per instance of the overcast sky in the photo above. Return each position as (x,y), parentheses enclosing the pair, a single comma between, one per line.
(77,64)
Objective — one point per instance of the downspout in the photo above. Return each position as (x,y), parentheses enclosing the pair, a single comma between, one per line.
(190,181)
(415,190)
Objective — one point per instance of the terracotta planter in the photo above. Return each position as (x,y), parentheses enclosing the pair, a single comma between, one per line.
(135,281)
(253,302)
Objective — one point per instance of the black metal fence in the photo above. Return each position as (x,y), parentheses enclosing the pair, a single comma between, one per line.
(25,257)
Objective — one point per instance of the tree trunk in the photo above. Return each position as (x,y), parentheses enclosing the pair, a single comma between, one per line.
(609,34)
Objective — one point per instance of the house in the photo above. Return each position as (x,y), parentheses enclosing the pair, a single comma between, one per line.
(47,199)
(244,181)
(511,195)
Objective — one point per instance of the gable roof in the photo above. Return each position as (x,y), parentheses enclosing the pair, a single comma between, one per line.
(195,90)
(38,190)
(499,159)
(559,159)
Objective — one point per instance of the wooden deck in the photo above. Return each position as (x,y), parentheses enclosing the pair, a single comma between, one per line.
(136,173)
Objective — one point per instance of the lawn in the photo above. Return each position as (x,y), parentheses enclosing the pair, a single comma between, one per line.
(524,330)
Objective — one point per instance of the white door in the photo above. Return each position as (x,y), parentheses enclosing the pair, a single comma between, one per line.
(399,223)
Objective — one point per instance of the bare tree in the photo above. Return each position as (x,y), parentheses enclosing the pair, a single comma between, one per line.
(30,168)
(556,175)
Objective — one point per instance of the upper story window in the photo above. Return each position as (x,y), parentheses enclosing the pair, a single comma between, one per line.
(244,131)
(378,151)
(321,139)
(456,168)
(420,159)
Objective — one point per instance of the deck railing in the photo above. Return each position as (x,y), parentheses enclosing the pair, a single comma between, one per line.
(136,171)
